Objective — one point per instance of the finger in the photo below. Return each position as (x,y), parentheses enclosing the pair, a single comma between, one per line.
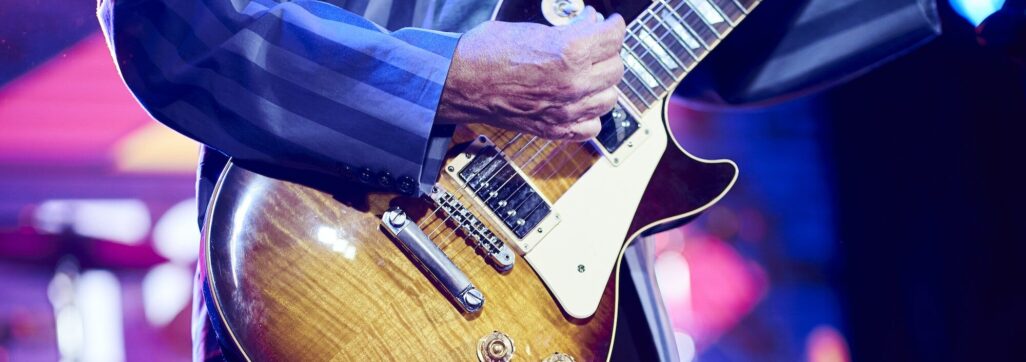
(594,105)
(604,38)
(581,131)
(607,73)
(587,16)
(594,79)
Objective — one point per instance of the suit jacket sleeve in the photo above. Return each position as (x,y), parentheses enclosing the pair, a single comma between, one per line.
(301,85)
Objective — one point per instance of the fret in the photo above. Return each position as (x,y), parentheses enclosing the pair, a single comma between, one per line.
(646,97)
(633,96)
(630,60)
(638,75)
(634,65)
(705,32)
(649,61)
(667,40)
(747,5)
(666,56)
(653,60)
(671,19)
(731,9)
(676,44)
(722,14)
(709,15)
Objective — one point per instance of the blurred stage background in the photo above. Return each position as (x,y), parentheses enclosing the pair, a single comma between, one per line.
(876,221)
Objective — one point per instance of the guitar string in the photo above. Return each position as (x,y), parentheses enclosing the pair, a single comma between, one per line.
(448,239)
(508,179)
(630,49)
(511,161)
(673,76)
(659,39)
(467,183)
(677,39)
(539,165)
(458,191)
(555,169)
(560,148)
(641,59)
(490,160)
(692,11)
(515,192)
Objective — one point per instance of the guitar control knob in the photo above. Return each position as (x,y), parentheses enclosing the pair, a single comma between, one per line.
(558,357)
(561,12)
(618,114)
(495,347)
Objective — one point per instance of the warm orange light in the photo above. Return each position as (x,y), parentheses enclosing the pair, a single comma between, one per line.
(826,344)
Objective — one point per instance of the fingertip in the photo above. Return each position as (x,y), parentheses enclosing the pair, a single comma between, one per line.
(586,130)
(616,18)
(587,15)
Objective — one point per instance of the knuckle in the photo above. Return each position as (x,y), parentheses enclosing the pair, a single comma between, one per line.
(609,102)
(578,87)
(565,113)
(620,67)
(573,51)
(550,132)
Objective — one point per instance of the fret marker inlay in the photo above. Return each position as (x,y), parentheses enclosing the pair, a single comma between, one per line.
(707,11)
(673,24)
(635,66)
(657,48)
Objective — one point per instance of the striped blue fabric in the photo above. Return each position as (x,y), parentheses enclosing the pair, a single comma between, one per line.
(302,85)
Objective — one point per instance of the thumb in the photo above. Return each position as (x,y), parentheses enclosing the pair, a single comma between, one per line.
(587,16)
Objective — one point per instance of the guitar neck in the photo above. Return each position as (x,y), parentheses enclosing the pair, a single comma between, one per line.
(667,40)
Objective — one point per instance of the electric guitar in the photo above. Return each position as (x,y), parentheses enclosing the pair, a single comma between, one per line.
(514,252)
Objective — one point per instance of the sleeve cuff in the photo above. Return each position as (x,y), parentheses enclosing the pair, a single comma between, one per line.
(439,136)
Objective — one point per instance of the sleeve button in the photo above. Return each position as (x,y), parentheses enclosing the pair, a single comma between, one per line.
(346,171)
(366,176)
(385,179)
(407,185)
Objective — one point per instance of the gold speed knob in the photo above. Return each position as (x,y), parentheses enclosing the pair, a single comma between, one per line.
(495,347)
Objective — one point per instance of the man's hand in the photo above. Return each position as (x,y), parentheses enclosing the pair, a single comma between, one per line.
(553,82)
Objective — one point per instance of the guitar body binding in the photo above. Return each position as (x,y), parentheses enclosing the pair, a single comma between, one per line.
(299,273)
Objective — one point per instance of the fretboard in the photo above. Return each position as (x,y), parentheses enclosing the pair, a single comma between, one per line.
(667,41)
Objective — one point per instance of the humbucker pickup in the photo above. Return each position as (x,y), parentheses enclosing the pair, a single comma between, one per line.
(500,186)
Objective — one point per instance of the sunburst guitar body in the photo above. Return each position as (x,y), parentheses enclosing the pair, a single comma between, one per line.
(513,253)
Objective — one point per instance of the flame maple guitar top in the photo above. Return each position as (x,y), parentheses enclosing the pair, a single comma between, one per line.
(298,273)
(301,274)
(311,276)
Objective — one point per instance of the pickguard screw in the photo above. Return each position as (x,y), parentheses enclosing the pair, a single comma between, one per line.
(646,131)
(580,268)
(450,169)
(616,160)
(540,230)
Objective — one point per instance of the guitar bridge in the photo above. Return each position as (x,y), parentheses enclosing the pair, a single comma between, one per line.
(499,255)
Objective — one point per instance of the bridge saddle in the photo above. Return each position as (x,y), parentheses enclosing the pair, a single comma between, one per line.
(499,255)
